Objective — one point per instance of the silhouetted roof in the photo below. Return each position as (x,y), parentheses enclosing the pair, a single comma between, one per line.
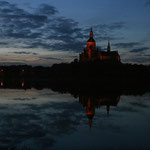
(111,53)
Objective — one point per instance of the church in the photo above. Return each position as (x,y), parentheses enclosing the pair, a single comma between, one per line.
(91,53)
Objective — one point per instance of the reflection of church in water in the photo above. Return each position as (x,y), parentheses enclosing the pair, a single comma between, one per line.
(96,102)
(91,53)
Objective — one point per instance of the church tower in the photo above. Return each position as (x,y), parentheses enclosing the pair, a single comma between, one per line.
(91,44)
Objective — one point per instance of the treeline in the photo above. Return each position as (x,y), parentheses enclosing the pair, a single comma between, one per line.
(24,71)
(79,76)
(101,73)
(84,72)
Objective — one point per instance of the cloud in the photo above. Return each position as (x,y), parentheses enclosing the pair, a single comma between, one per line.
(147,3)
(37,44)
(138,59)
(127,45)
(116,26)
(45,28)
(111,26)
(18,23)
(24,53)
(51,58)
(136,50)
(3,43)
(11,63)
(40,25)
(47,9)
(105,32)
(4,3)
(24,99)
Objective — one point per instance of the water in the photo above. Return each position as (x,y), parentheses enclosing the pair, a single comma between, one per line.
(43,120)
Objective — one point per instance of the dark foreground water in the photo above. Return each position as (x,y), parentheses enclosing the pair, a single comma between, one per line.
(44,120)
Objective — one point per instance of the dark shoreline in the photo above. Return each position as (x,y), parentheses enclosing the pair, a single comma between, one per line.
(92,77)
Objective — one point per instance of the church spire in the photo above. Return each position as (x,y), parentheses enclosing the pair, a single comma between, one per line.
(108,47)
(91,32)
(91,29)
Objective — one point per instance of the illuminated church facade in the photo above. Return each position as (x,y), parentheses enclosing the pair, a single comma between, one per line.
(91,53)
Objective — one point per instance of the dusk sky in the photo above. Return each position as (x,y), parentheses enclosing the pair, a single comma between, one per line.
(44,32)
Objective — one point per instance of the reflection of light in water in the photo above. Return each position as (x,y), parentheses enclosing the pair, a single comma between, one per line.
(22,84)
(22,70)
(96,102)
(2,83)
(1,70)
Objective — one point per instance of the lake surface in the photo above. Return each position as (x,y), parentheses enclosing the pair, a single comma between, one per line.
(43,120)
